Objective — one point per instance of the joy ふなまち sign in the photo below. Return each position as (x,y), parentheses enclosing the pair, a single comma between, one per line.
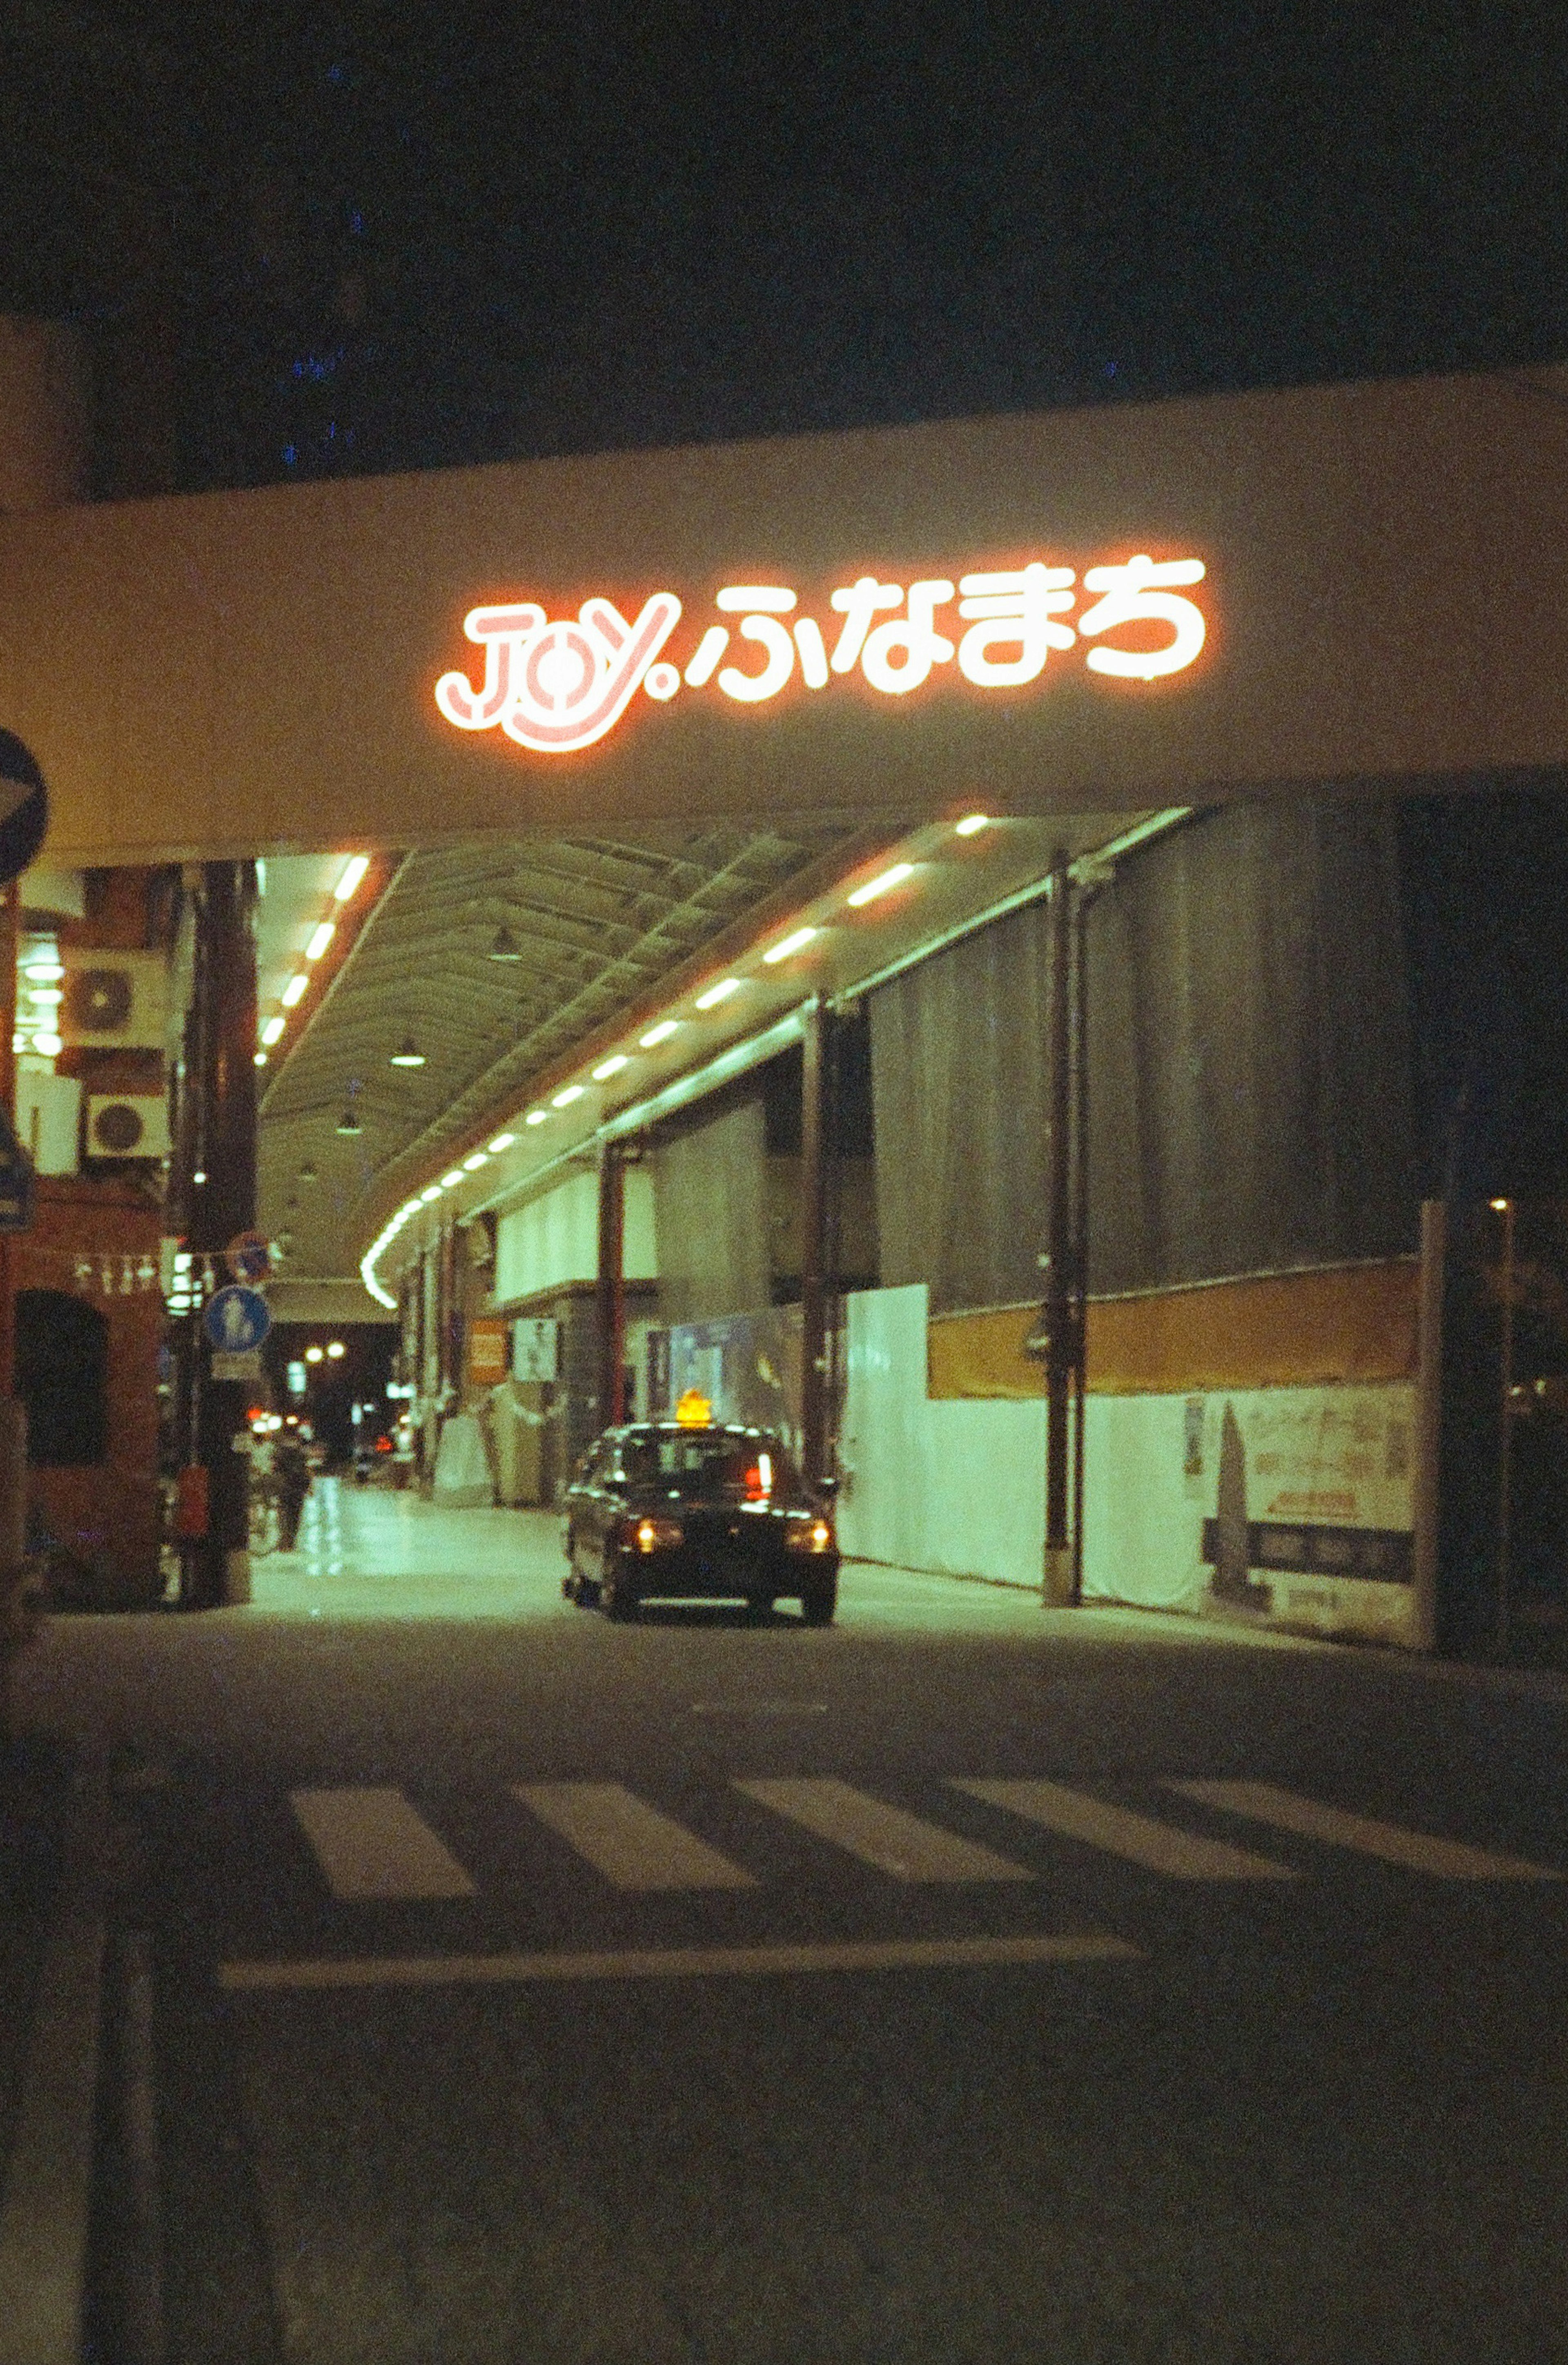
(558,685)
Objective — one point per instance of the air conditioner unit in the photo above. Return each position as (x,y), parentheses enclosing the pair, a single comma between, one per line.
(128,1124)
(115,999)
(48,1119)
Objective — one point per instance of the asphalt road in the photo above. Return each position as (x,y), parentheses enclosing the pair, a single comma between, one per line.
(973,2086)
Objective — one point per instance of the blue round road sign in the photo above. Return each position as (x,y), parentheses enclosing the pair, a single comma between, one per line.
(24,808)
(237,1319)
(249,1256)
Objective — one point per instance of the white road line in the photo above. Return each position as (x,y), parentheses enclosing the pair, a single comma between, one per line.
(678,1962)
(1159,1848)
(882,1836)
(1311,1819)
(629,1842)
(371,1843)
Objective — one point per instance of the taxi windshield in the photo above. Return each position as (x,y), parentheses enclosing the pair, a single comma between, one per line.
(743,1468)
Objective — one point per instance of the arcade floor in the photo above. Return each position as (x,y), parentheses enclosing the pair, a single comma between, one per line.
(368,1551)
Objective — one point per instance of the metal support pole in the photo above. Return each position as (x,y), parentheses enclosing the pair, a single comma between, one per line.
(1079,1276)
(225,1203)
(1506,1439)
(9,899)
(12,1416)
(813,1245)
(1427,1496)
(1057,1307)
(611,1406)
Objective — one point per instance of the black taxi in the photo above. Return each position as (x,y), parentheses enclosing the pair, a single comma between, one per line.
(697,1509)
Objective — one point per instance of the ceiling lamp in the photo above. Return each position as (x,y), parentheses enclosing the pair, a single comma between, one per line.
(407,1054)
(348,1122)
(506,946)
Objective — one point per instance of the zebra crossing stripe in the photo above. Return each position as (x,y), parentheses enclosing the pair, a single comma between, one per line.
(884,1837)
(1310,1819)
(371,1843)
(632,1844)
(1159,1848)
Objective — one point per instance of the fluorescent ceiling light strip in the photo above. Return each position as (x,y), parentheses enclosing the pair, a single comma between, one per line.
(354,871)
(273,1031)
(793,943)
(880,885)
(293,991)
(737,1060)
(1139,834)
(321,940)
(717,993)
(659,1034)
(1035,892)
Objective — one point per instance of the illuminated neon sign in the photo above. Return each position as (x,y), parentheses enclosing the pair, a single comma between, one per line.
(557,686)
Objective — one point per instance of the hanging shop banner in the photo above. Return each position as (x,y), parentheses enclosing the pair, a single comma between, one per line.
(486,1353)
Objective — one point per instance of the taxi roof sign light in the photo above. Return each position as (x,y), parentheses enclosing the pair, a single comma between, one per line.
(694,1411)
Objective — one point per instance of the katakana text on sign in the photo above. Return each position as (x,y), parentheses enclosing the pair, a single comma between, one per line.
(559,685)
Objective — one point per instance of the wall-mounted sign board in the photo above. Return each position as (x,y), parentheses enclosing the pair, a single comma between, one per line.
(1104,608)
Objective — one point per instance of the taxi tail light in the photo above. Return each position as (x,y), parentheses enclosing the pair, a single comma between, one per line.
(809,1535)
(648,1535)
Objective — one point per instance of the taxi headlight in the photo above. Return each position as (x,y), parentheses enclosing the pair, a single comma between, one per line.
(651,1535)
(808,1535)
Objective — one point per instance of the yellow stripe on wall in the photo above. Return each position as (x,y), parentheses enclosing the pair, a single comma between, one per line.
(1336,1325)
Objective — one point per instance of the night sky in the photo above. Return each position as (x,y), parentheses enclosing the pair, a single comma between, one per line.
(377,237)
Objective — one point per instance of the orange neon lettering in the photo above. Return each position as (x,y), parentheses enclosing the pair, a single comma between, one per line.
(705,664)
(751,688)
(558,685)
(1016,609)
(574,682)
(898,656)
(499,630)
(772,599)
(1136,593)
(813,654)
(857,605)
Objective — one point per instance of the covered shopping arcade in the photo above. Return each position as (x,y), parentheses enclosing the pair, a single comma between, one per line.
(599,738)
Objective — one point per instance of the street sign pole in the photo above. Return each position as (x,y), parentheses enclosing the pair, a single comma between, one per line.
(24,816)
(223,1207)
(8,934)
